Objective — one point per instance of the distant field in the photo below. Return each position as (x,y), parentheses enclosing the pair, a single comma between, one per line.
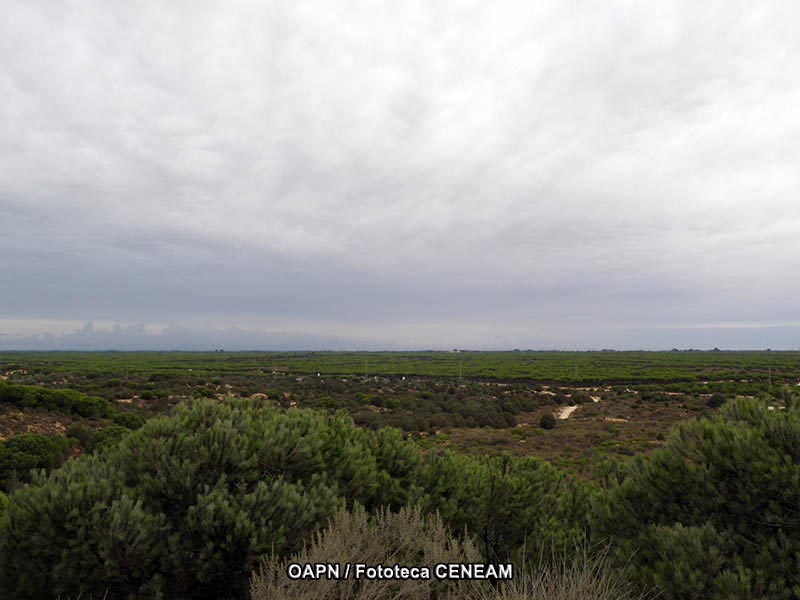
(564,367)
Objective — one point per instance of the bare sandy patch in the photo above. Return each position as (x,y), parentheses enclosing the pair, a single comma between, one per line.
(566,411)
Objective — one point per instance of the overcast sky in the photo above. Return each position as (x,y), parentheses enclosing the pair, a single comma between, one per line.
(428,174)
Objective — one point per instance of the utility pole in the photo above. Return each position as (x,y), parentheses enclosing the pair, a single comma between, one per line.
(576,370)
(365,367)
(769,377)
(460,373)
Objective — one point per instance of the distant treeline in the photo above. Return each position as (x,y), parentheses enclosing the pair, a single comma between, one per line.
(607,367)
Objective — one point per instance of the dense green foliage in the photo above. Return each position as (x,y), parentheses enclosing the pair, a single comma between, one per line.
(714,514)
(21,454)
(128,420)
(25,396)
(91,440)
(505,503)
(186,505)
(106,438)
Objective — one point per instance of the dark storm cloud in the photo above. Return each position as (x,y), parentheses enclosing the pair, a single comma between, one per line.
(421,174)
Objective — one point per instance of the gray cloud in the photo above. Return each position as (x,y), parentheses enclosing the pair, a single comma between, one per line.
(434,336)
(134,337)
(531,174)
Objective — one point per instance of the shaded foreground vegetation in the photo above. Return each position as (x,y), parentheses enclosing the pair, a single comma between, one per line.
(189,505)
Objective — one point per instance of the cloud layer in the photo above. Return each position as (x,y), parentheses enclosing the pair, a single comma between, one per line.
(418,174)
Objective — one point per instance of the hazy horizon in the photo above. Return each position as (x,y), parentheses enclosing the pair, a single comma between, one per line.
(311,175)
(91,338)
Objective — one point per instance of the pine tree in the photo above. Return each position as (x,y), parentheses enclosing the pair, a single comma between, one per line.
(716,512)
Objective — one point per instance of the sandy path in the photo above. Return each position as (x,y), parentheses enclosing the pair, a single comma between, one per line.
(565,412)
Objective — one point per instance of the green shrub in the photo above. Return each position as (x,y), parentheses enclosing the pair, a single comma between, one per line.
(714,514)
(505,503)
(22,453)
(106,438)
(88,533)
(81,433)
(128,420)
(547,421)
(187,505)
(204,392)
(716,401)
(28,396)
(325,402)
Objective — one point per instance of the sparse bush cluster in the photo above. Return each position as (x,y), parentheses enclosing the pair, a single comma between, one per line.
(425,406)
(429,412)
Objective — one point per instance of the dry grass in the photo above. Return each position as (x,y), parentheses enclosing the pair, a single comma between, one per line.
(405,538)
(585,577)
(413,539)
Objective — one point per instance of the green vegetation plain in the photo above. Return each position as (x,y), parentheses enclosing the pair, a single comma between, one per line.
(604,367)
